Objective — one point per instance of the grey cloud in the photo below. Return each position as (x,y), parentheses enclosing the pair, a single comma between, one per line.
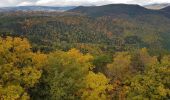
(14,2)
(74,2)
(144,2)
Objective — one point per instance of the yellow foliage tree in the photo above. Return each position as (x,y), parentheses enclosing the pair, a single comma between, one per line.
(20,68)
(96,87)
(67,71)
(146,58)
(120,66)
(153,83)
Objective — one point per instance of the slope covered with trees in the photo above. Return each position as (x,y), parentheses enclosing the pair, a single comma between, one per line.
(64,31)
(97,54)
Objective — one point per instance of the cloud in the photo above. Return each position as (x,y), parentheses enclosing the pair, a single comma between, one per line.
(16,2)
(143,2)
(69,2)
(74,2)
(26,3)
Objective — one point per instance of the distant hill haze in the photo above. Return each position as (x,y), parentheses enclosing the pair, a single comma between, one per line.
(35,8)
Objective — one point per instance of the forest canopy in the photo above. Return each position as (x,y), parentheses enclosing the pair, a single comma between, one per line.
(72,75)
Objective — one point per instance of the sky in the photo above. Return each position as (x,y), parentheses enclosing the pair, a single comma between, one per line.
(6,3)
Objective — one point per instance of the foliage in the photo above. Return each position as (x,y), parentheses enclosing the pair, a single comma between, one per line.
(141,59)
(68,70)
(100,62)
(138,70)
(20,68)
(72,75)
(153,84)
(120,68)
(106,33)
(96,88)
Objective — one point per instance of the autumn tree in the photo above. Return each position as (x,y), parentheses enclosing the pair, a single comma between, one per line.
(67,71)
(120,68)
(141,59)
(97,87)
(20,68)
(153,84)
(100,62)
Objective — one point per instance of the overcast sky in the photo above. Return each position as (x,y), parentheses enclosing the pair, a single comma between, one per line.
(75,2)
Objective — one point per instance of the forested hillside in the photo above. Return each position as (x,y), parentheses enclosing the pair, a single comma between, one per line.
(111,52)
(124,30)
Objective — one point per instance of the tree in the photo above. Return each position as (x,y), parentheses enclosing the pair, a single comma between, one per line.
(96,87)
(67,71)
(121,66)
(141,59)
(120,70)
(100,62)
(20,68)
(153,84)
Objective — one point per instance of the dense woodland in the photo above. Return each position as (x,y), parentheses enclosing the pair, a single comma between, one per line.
(78,56)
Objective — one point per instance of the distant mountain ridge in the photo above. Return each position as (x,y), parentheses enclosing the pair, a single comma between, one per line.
(35,8)
(167,9)
(114,10)
(118,7)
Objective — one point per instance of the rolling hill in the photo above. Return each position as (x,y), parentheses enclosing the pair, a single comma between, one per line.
(166,9)
(114,10)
